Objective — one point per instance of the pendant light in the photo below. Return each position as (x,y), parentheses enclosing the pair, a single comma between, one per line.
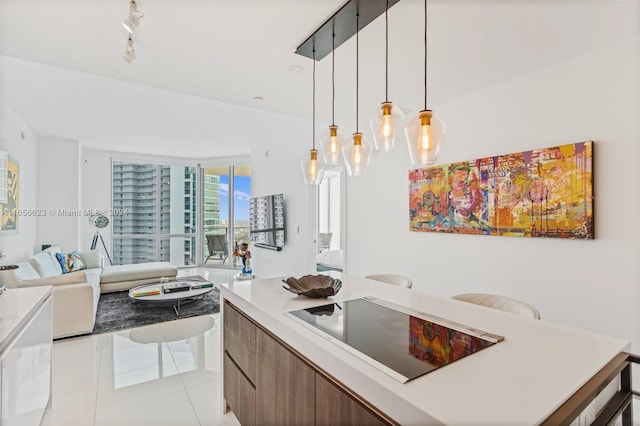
(425,131)
(387,116)
(358,155)
(313,165)
(331,143)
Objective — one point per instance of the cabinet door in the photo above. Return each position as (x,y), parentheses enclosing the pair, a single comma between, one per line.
(285,385)
(26,372)
(240,340)
(239,393)
(334,407)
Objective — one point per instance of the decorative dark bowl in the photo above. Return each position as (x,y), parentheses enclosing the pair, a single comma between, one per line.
(313,285)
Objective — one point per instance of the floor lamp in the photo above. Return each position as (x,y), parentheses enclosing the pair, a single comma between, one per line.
(99,221)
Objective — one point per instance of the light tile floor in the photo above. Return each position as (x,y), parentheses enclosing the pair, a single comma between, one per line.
(162,374)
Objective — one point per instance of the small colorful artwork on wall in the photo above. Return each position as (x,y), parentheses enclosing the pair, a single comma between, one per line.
(541,193)
(9,217)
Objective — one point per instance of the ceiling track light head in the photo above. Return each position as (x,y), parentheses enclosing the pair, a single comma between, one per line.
(129,51)
(133,20)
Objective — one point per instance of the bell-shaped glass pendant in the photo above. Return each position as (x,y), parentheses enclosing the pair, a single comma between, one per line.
(312,167)
(424,134)
(386,120)
(331,144)
(357,154)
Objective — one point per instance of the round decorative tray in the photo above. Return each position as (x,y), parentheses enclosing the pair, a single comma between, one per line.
(313,285)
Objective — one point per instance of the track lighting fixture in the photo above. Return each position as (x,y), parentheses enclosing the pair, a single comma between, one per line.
(313,165)
(133,20)
(129,51)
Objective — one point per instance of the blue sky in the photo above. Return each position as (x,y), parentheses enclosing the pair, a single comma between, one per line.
(242,193)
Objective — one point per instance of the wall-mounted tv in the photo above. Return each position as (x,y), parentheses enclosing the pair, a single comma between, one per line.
(266,221)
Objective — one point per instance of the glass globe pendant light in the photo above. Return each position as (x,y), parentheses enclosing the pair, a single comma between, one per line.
(358,155)
(312,164)
(425,131)
(384,118)
(331,143)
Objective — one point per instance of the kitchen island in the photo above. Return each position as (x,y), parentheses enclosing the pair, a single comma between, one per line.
(521,380)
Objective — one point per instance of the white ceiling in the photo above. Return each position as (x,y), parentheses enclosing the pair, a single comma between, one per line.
(200,63)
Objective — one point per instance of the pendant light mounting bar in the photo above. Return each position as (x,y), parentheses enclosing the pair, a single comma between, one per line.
(343,23)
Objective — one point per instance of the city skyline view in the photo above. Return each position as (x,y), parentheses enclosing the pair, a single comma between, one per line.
(162,221)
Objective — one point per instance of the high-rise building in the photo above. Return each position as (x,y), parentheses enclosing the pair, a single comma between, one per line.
(158,201)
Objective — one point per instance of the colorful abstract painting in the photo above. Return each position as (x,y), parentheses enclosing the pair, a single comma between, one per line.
(541,193)
(9,217)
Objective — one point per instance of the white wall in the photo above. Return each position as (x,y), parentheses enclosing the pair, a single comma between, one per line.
(275,168)
(19,245)
(96,193)
(59,186)
(587,284)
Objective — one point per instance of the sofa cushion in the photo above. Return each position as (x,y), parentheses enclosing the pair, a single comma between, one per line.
(139,271)
(91,258)
(45,265)
(70,262)
(73,278)
(93,276)
(25,272)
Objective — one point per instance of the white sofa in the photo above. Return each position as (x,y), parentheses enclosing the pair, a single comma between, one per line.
(76,294)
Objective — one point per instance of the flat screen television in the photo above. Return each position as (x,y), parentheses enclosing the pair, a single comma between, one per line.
(266,221)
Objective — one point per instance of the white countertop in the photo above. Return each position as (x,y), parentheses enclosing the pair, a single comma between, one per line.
(520,380)
(16,307)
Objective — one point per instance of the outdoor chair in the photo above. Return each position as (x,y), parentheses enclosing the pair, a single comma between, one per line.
(217,245)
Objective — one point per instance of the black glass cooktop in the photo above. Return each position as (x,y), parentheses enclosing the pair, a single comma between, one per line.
(403,343)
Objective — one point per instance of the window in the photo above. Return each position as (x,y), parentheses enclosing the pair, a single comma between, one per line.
(155,225)
(224,214)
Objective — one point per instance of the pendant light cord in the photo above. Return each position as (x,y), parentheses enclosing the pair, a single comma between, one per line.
(333,79)
(425,55)
(313,125)
(386,57)
(357,66)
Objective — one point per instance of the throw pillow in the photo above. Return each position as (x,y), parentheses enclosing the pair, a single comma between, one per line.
(70,262)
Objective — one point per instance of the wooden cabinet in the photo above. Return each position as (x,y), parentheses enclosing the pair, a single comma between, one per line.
(335,407)
(240,341)
(268,383)
(285,385)
(239,393)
